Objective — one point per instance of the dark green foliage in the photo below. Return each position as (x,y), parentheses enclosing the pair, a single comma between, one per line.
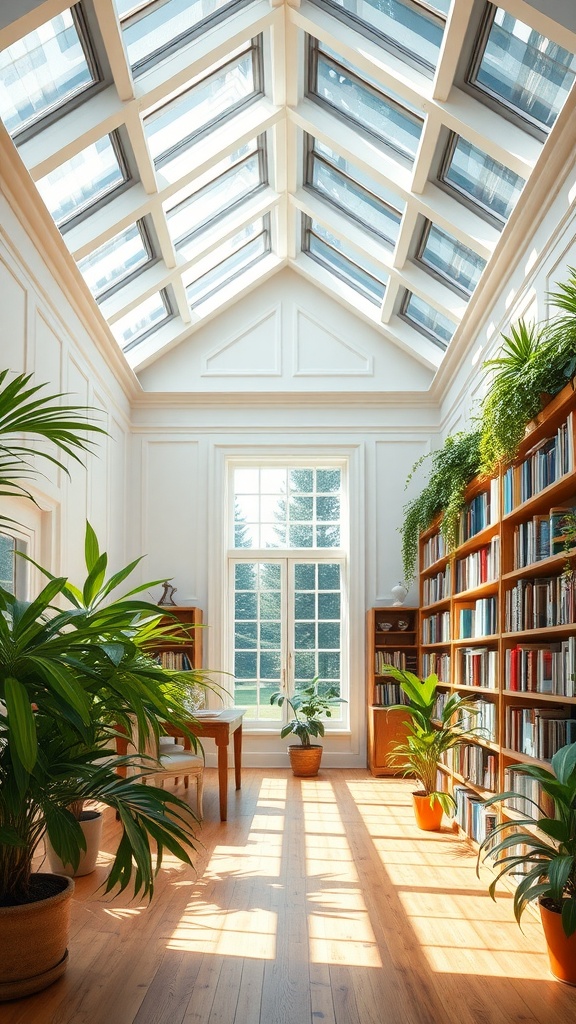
(547,861)
(452,468)
(307,706)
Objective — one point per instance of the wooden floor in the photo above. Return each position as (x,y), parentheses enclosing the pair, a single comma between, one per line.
(318,901)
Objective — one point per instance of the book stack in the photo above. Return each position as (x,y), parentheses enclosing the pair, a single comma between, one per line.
(475,764)
(479,620)
(472,816)
(539,603)
(531,799)
(399,659)
(438,663)
(433,550)
(481,715)
(386,694)
(436,628)
(539,732)
(541,536)
(479,567)
(478,666)
(547,462)
(436,588)
(542,668)
(176,661)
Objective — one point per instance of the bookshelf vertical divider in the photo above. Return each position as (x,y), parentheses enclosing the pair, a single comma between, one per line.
(498,614)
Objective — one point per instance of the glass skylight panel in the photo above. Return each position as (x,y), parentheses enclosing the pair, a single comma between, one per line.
(171,129)
(83,180)
(216,199)
(43,71)
(455,262)
(163,27)
(357,270)
(525,70)
(338,181)
(363,105)
(485,181)
(141,320)
(406,27)
(433,323)
(116,260)
(230,260)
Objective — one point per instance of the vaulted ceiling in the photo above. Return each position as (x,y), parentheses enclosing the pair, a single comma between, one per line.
(189,149)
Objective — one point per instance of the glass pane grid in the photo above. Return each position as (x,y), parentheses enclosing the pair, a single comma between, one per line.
(355,201)
(486,182)
(163,27)
(137,324)
(229,260)
(216,199)
(451,259)
(115,261)
(356,270)
(317,641)
(437,326)
(287,509)
(258,637)
(85,179)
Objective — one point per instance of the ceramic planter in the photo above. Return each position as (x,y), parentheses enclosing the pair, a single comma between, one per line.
(561,948)
(91,825)
(34,938)
(428,818)
(305,761)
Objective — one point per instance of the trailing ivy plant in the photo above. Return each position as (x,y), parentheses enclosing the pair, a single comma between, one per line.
(452,468)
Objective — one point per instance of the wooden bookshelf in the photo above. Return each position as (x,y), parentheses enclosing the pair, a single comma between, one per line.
(186,652)
(498,614)
(392,639)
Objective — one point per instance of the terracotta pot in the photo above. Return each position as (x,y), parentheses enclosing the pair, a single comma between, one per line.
(305,761)
(561,948)
(427,817)
(34,937)
(91,825)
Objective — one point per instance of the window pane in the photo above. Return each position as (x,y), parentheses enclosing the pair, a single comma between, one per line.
(409,30)
(453,260)
(365,106)
(372,185)
(7,555)
(41,72)
(82,181)
(115,260)
(353,200)
(525,70)
(431,320)
(207,102)
(356,270)
(174,20)
(328,480)
(229,265)
(150,313)
(216,199)
(486,181)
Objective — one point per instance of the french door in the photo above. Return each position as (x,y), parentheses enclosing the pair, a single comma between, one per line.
(288,628)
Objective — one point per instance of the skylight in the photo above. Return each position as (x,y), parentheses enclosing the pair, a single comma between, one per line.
(187,149)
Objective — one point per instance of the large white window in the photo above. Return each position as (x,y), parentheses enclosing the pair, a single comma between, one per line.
(287,581)
(13,575)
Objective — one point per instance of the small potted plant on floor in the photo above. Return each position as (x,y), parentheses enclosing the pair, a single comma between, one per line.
(430,732)
(308,706)
(539,848)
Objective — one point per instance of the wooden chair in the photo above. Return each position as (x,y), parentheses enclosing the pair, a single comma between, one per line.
(170,763)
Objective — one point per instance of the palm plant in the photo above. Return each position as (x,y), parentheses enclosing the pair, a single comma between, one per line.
(23,411)
(431,731)
(69,680)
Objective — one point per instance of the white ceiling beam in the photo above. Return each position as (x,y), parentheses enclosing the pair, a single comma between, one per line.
(73,132)
(183,306)
(111,32)
(454,42)
(429,141)
(491,132)
(389,303)
(405,237)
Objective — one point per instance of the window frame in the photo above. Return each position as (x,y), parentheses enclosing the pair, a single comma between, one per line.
(118,284)
(434,271)
(307,230)
(402,313)
(464,197)
(134,342)
(266,232)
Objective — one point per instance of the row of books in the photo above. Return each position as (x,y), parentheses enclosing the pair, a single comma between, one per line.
(539,603)
(433,661)
(475,764)
(436,628)
(531,796)
(433,549)
(542,668)
(538,732)
(480,715)
(177,661)
(551,459)
(473,817)
(478,666)
(481,620)
(479,513)
(541,536)
(399,659)
(386,694)
(436,588)
(478,567)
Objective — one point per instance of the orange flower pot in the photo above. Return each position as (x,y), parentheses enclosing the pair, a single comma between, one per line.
(428,817)
(561,947)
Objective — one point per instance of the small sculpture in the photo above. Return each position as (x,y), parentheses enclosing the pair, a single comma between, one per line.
(168,594)
(402,624)
(383,627)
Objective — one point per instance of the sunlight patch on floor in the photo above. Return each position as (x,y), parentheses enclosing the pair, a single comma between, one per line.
(223,931)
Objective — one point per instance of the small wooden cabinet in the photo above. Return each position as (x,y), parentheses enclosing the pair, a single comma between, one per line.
(185,654)
(392,635)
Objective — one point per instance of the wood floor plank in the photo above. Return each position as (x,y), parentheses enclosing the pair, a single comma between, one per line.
(317,902)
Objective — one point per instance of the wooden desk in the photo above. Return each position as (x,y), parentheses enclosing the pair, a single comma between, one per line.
(225,724)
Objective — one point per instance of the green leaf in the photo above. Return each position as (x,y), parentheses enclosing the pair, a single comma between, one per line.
(564,763)
(21,722)
(91,548)
(569,916)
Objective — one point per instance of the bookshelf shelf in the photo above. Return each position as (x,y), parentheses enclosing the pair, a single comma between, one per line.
(516,561)
(398,647)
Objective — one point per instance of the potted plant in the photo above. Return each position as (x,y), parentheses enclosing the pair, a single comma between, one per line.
(69,677)
(430,732)
(307,706)
(541,848)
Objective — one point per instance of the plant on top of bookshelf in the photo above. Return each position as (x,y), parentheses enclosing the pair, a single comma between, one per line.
(540,847)
(433,728)
(453,466)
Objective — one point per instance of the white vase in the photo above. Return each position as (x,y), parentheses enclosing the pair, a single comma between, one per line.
(91,825)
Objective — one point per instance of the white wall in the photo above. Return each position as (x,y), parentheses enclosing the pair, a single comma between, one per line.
(40,332)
